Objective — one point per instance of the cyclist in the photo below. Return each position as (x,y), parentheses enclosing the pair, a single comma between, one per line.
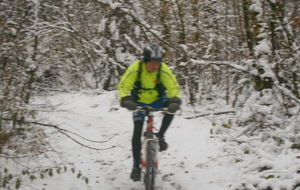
(148,82)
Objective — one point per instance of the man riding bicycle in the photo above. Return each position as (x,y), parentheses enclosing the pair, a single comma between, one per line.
(149,82)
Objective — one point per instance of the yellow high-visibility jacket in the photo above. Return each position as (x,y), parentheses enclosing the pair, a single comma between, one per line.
(148,82)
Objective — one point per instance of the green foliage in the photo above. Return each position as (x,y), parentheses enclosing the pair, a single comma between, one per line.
(9,180)
(18,183)
(227,125)
(269,177)
(219,128)
(295,146)
(280,141)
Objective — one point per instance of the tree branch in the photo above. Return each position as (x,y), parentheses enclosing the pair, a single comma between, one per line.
(207,114)
(65,132)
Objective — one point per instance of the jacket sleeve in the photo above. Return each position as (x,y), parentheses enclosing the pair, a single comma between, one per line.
(128,79)
(169,81)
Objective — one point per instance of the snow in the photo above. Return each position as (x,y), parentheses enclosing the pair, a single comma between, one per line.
(197,157)
(262,48)
(115,5)
(113,29)
(97,116)
(256,7)
(102,24)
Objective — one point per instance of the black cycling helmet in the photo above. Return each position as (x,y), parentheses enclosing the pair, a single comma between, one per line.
(153,52)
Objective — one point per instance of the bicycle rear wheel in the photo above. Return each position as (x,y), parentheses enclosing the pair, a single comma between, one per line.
(150,166)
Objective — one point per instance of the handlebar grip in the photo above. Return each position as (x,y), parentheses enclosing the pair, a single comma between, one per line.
(151,109)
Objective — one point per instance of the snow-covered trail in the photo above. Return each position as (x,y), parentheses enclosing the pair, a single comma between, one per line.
(186,165)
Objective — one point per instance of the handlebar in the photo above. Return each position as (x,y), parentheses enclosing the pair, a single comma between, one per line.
(147,109)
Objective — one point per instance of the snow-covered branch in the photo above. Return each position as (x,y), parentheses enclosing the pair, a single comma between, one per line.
(65,132)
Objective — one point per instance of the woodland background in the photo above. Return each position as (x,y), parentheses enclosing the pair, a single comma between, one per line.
(243,52)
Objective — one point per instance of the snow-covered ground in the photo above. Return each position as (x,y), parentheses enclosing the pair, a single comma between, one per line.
(188,164)
(194,160)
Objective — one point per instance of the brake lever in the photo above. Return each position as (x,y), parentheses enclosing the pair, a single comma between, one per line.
(165,111)
(139,109)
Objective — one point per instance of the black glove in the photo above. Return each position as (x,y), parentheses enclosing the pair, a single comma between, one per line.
(129,103)
(173,107)
(173,104)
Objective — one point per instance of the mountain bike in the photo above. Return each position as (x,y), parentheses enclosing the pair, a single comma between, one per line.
(150,147)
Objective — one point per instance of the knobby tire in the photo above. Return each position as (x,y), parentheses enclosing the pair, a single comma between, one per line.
(150,167)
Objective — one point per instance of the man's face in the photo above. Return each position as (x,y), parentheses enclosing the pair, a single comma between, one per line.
(152,66)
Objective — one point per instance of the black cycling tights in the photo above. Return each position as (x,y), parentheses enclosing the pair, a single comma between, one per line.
(137,133)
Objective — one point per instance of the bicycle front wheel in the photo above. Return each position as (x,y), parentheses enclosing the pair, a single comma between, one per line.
(150,166)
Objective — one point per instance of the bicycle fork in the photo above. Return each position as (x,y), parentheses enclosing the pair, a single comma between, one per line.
(149,143)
